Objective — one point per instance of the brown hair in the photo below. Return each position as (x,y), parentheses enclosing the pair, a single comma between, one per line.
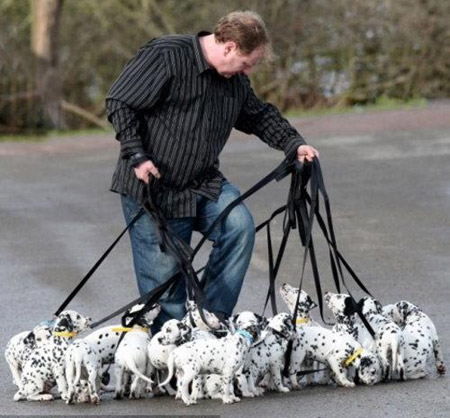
(246,28)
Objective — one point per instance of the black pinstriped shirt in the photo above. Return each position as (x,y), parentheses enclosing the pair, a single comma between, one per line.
(169,106)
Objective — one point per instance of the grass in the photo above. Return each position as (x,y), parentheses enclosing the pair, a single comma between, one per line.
(41,137)
(382,103)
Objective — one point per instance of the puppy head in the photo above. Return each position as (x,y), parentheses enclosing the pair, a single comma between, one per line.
(194,319)
(78,323)
(174,332)
(250,322)
(282,324)
(370,306)
(339,304)
(151,315)
(369,370)
(391,312)
(305,303)
(403,309)
(247,318)
(144,318)
(63,323)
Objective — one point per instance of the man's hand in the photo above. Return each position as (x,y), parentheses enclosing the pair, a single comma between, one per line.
(308,152)
(144,170)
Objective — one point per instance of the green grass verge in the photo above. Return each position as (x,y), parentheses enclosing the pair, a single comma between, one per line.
(41,137)
(382,103)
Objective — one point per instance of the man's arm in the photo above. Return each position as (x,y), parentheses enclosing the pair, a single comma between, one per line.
(265,121)
(136,90)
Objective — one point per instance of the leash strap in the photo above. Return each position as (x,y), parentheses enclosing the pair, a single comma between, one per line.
(97,265)
(155,293)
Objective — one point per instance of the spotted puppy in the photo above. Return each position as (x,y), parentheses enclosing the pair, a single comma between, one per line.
(20,347)
(289,294)
(46,363)
(305,304)
(172,334)
(338,351)
(420,336)
(224,356)
(83,363)
(194,320)
(347,320)
(267,356)
(131,355)
(105,340)
(389,340)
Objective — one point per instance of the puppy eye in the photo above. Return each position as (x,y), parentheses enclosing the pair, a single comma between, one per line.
(168,330)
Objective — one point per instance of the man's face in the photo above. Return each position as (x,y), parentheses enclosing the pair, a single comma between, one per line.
(235,63)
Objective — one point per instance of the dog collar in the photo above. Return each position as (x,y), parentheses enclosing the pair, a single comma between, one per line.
(64,334)
(353,357)
(128,329)
(246,334)
(300,321)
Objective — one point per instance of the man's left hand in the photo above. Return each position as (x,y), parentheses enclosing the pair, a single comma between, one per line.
(308,152)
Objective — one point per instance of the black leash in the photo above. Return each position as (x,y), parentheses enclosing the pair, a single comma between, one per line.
(97,265)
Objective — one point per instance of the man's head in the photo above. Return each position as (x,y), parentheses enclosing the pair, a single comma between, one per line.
(241,41)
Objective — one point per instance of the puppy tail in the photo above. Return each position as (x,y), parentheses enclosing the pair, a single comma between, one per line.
(132,366)
(171,368)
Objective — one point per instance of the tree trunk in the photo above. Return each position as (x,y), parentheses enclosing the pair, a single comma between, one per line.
(44,43)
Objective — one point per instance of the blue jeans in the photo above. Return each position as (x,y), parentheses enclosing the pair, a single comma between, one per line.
(228,262)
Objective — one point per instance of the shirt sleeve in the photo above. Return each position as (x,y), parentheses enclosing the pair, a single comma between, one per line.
(136,90)
(265,121)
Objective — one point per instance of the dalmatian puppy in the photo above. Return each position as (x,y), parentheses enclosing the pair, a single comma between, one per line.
(172,334)
(337,351)
(289,295)
(389,340)
(267,356)
(224,356)
(347,320)
(420,336)
(46,363)
(305,304)
(105,340)
(131,355)
(193,320)
(83,362)
(20,347)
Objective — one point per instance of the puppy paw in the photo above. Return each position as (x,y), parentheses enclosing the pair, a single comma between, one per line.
(228,400)
(441,369)
(283,389)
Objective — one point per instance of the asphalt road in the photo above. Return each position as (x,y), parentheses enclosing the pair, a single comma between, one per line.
(390,196)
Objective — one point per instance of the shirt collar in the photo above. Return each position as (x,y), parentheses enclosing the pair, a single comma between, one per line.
(200,59)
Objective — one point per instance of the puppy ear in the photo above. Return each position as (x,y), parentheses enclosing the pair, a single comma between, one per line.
(350,306)
(30,340)
(64,324)
(379,307)
(310,303)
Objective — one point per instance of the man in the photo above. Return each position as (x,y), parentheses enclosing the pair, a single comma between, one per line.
(173,108)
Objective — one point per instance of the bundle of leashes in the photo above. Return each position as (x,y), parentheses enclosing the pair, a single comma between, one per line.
(300,212)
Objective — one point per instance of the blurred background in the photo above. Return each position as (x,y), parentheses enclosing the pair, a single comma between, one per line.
(59,57)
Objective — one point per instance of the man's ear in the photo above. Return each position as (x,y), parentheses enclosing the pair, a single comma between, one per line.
(229,46)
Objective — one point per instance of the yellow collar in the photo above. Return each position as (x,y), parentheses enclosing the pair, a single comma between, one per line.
(300,321)
(128,329)
(65,334)
(353,357)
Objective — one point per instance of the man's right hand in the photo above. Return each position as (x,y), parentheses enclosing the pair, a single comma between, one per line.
(144,170)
